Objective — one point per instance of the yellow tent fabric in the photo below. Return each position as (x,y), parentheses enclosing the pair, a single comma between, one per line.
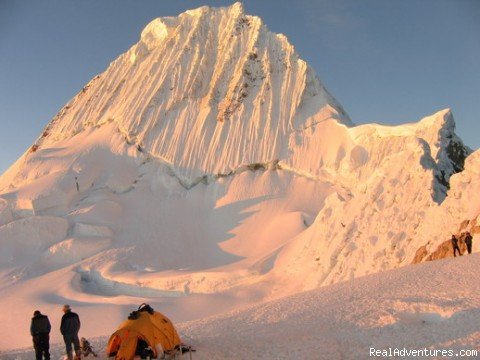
(152,327)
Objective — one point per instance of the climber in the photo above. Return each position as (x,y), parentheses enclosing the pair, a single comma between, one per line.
(86,348)
(40,330)
(69,328)
(468,242)
(455,246)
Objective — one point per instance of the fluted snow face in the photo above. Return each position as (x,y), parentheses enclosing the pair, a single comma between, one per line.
(207,91)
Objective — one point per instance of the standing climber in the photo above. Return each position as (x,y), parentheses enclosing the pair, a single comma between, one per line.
(455,246)
(40,331)
(468,242)
(69,328)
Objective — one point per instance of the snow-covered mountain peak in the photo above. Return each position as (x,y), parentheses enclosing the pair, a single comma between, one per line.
(440,125)
(441,142)
(208,91)
(444,146)
(441,118)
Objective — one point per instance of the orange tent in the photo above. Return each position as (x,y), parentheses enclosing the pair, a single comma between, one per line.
(144,327)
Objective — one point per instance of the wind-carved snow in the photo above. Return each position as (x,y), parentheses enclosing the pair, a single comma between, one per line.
(208,164)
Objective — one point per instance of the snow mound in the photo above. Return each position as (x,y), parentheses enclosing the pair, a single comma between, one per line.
(88,230)
(6,215)
(72,250)
(22,240)
(101,212)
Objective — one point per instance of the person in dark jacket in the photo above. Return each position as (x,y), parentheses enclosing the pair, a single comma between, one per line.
(455,246)
(40,331)
(69,328)
(468,242)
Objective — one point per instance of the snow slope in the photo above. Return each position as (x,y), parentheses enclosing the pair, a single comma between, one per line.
(433,305)
(167,180)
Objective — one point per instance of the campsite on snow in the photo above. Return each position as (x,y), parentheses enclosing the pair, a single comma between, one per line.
(206,197)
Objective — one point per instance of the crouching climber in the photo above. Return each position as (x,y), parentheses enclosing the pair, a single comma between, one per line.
(86,348)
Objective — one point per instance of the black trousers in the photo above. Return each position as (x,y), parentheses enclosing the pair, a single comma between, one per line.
(455,248)
(69,339)
(41,343)
(469,248)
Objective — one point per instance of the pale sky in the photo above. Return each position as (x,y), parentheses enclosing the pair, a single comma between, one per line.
(385,61)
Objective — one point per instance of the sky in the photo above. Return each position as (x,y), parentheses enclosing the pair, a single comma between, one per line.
(385,61)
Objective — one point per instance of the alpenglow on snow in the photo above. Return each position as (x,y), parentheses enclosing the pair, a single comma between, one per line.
(208,163)
(208,91)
